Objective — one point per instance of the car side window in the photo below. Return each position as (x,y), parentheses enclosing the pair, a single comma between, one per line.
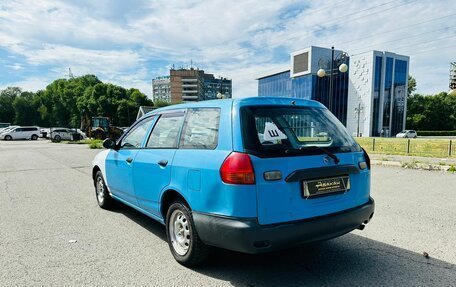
(201,129)
(166,131)
(136,135)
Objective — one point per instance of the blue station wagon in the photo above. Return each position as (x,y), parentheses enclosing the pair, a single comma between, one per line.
(251,175)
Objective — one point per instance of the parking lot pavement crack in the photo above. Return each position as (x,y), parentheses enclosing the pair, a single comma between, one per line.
(27,169)
(429,262)
(76,168)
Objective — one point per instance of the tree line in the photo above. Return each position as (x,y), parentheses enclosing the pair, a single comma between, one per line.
(64,101)
(431,113)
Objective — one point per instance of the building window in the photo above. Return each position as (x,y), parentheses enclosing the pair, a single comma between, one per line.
(301,63)
(377,89)
(399,96)
(387,96)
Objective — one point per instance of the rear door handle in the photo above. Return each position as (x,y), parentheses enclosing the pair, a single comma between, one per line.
(129,160)
(163,162)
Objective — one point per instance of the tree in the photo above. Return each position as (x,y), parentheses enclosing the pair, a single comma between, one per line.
(411,87)
(159,104)
(7,97)
(25,109)
(64,100)
(431,113)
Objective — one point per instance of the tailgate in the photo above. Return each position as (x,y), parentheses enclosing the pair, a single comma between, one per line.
(283,200)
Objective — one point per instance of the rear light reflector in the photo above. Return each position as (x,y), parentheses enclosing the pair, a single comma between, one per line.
(237,169)
(367,159)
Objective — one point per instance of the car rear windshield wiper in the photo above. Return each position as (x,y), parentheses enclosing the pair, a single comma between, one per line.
(303,148)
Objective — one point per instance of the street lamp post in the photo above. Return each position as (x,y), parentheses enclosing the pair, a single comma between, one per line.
(343,68)
(331,79)
(220,94)
(358,111)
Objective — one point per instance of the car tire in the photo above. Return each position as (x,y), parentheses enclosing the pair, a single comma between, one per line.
(34,137)
(57,138)
(102,195)
(183,240)
(8,138)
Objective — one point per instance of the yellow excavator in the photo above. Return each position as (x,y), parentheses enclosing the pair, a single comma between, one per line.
(100,128)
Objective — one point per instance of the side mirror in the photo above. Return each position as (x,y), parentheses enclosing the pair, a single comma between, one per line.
(109,143)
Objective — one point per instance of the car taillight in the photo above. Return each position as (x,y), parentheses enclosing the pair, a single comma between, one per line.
(237,169)
(367,159)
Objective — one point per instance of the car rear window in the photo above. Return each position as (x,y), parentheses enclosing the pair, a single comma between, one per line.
(287,131)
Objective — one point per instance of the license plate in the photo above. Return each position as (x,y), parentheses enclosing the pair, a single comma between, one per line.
(326,185)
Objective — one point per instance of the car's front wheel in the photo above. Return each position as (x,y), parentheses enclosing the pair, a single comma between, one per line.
(8,138)
(183,240)
(57,138)
(34,137)
(104,200)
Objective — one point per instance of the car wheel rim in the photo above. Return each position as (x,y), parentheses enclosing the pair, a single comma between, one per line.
(179,232)
(100,190)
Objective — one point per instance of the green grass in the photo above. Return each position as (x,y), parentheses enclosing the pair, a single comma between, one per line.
(398,146)
(93,144)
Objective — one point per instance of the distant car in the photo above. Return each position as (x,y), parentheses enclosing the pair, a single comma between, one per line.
(5,129)
(21,133)
(45,132)
(407,134)
(59,134)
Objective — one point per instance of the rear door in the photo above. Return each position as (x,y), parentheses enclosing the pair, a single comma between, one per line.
(274,138)
(152,168)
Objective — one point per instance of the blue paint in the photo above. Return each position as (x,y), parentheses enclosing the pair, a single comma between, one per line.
(195,173)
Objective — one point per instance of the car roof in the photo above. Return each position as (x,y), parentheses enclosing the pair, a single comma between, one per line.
(250,101)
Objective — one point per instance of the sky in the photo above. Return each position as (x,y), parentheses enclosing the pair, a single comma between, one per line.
(130,42)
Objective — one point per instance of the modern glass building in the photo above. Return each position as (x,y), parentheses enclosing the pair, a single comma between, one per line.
(377,94)
(369,98)
(301,81)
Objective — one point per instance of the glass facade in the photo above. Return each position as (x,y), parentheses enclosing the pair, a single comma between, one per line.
(278,85)
(377,89)
(387,96)
(309,87)
(399,96)
(303,87)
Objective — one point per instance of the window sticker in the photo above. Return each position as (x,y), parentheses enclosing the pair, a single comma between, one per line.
(272,132)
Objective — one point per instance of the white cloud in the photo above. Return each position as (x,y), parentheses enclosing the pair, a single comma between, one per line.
(129,43)
(29,84)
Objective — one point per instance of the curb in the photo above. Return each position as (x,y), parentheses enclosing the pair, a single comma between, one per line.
(413,165)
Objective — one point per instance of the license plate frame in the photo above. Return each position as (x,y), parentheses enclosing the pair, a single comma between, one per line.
(325,186)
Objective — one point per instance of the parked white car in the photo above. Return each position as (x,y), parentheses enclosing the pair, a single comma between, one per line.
(3,130)
(407,134)
(21,133)
(59,134)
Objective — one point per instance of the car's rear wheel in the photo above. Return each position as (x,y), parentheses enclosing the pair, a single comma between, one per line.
(57,138)
(8,138)
(34,137)
(104,200)
(183,240)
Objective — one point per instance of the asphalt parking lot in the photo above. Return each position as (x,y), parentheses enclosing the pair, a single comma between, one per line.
(53,233)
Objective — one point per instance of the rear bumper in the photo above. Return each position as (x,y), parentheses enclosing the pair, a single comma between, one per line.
(248,236)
